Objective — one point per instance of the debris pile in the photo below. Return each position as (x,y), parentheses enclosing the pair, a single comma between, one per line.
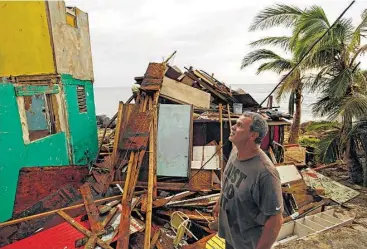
(159,179)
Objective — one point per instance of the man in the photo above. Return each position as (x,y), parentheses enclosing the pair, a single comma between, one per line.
(251,205)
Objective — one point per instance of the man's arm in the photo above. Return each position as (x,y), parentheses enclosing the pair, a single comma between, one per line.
(270,231)
(270,202)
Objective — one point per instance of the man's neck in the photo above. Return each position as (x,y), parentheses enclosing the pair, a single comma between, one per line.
(247,151)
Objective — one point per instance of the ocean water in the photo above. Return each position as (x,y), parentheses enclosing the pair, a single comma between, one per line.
(107,98)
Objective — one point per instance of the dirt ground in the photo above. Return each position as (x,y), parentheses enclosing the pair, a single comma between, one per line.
(346,237)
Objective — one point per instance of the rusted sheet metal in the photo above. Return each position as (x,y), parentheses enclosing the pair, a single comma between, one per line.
(37,183)
(29,90)
(136,134)
(65,196)
(153,77)
(90,206)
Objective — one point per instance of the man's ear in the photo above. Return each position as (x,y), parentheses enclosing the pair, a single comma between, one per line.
(254,135)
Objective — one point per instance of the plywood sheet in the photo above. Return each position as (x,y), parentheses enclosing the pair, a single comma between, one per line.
(173,140)
(72,45)
(288,173)
(185,93)
(333,190)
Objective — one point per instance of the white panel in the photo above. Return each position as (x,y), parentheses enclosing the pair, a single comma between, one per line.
(199,159)
(288,173)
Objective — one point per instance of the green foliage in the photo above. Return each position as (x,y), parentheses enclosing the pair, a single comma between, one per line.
(306,141)
(321,126)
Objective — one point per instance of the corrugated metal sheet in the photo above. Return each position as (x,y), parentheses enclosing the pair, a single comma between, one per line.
(173,140)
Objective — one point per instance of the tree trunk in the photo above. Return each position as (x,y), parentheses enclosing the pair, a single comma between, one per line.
(351,159)
(294,136)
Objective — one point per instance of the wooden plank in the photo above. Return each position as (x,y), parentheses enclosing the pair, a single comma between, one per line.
(221,140)
(130,183)
(82,229)
(148,216)
(109,217)
(163,201)
(29,90)
(91,243)
(185,93)
(92,211)
(155,239)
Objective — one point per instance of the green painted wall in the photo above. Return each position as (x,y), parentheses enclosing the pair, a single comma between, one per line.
(49,151)
(14,154)
(83,128)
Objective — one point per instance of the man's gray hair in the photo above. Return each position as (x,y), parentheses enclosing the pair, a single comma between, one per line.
(258,125)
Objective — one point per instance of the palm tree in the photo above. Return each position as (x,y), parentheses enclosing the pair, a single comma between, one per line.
(340,80)
(293,85)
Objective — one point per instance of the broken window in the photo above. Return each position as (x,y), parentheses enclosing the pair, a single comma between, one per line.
(40,116)
(82,102)
(71,17)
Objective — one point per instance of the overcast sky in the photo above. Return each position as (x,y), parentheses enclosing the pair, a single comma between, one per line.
(208,34)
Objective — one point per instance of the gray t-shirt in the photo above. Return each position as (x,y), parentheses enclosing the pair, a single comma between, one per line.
(251,192)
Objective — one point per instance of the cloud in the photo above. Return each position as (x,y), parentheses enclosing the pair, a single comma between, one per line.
(208,34)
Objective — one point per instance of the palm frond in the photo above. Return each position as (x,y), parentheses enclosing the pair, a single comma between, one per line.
(329,148)
(360,51)
(278,41)
(354,107)
(277,15)
(278,66)
(257,55)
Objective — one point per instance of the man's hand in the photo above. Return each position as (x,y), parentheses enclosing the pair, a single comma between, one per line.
(215,211)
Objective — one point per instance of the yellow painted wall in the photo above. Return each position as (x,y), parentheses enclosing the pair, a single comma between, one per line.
(25,47)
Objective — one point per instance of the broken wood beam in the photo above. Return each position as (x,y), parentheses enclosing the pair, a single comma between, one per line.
(148,215)
(82,229)
(221,140)
(91,208)
(163,201)
(37,216)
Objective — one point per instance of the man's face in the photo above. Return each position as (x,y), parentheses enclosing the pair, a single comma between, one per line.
(240,132)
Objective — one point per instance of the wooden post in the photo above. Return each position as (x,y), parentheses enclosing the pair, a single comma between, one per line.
(152,154)
(155,129)
(229,118)
(117,132)
(221,138)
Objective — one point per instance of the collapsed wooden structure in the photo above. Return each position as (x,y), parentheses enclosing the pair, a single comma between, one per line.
(156,189)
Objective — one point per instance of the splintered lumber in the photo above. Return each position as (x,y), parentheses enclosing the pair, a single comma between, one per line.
(164,201)
(199,201)
(90,207)
(155,239)
(82,229)
(185,93)
(152,154)
(109,217)
(138,146)
(192,215)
